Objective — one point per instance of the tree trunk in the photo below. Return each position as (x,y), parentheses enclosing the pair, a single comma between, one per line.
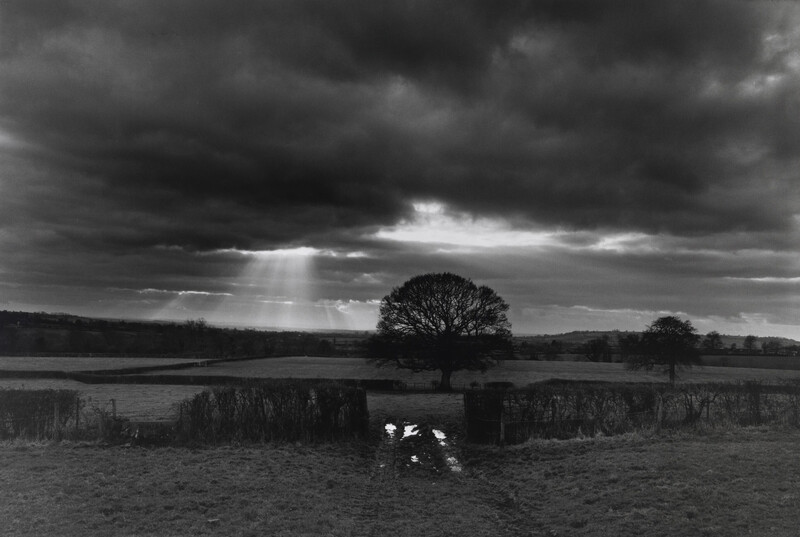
(444,384)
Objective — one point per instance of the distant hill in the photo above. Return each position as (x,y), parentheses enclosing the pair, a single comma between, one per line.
(59,334)
(571,342)
(63,333)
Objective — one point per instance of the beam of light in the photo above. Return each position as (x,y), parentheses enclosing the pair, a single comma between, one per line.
(275,288)
(279,289)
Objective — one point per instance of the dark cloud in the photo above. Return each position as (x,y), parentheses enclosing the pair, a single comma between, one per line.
(127,128)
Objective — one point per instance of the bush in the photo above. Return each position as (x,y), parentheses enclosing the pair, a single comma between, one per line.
(388,385)
(37,414)
(288,410)
(562,409)
(498,385)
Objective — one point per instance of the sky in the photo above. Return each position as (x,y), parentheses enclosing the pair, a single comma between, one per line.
(286,164)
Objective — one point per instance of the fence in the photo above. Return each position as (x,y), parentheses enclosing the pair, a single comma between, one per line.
(562,410)
(56,414)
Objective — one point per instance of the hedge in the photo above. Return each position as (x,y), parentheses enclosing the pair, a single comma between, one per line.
(283,410)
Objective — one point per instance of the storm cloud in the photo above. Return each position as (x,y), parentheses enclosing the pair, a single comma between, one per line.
(654,145)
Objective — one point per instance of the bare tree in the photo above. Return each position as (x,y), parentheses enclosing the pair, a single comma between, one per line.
(441,322)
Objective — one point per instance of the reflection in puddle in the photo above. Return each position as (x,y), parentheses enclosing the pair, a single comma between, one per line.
(421,446)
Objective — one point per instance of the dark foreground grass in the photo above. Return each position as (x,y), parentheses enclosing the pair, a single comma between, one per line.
(744,482)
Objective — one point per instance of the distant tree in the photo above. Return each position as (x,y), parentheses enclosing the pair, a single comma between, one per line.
(325,348)
(771,346)
(713,341)
(441,322)
(668,341)
(555,348)
(750,343)
(628,345)
(598,349)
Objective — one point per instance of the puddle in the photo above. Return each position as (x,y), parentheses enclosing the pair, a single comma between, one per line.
(419,447)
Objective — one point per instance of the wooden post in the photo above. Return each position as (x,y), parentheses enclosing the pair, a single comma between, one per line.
(55,420)
(114,408)
(659,411)
(77,413)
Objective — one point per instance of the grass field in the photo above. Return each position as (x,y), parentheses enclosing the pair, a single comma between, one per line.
(70,363)
(738,483)
(725,482)
(152,402)
(520,372)
(144,402)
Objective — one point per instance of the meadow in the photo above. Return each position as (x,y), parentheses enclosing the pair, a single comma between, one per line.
(703,481)
(520,372)
(137,402)
(83,363)
(157,402)
(682,484)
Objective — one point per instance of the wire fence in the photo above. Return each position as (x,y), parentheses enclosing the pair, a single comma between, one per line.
(61,414)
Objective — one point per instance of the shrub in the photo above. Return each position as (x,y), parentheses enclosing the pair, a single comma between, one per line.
(37,414)
(288,410)
(561,409)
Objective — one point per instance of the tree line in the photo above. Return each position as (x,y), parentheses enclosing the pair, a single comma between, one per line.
(45,333)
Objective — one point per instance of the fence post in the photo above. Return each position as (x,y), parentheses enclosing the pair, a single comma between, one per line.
(55,421)
(77,413)
(114,408)
(659,411)
(502,422)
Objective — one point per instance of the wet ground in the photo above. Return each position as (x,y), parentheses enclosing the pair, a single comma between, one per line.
(415,448)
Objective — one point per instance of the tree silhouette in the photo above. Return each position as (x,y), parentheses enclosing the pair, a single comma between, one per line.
(441,322)
(669,342)
(713,341)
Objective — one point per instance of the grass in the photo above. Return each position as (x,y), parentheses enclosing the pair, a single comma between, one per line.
(71,363)
(143,402)
(152,402)
(740,483)
(521,372)
(731,483)
(704,483)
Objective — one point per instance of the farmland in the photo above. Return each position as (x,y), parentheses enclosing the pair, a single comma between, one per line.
(154,402)
(705,481)
(520,372)
(719,483)
(145,402)
(69,363)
